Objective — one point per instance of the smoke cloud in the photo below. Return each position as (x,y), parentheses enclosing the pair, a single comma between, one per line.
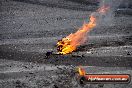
(107,19)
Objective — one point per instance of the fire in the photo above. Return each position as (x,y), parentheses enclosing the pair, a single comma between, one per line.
(81,71)
(71,42)
(103,9)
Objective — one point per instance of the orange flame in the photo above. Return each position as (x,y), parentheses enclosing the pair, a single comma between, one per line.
(71,42)
(81,71)
(103,9)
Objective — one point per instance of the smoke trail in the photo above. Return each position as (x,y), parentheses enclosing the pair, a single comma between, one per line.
(108,18)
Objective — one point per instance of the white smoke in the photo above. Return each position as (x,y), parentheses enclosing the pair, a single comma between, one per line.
(108,18)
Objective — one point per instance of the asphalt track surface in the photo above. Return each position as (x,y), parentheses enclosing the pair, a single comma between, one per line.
(28,29)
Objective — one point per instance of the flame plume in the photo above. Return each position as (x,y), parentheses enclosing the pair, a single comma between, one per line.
(71,42)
